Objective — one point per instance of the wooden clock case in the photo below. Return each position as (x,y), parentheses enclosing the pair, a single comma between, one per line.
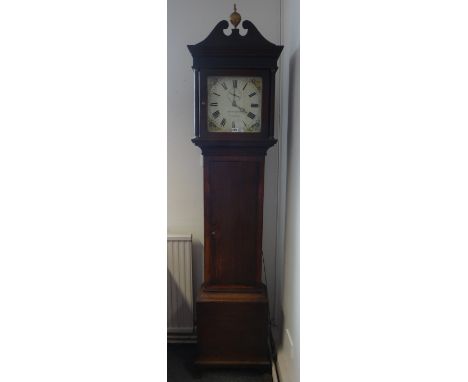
(232,304)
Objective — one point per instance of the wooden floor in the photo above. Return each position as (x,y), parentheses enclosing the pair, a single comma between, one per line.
(180,368)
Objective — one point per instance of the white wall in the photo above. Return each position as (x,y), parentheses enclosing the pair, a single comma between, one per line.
(288,313)
(189,22)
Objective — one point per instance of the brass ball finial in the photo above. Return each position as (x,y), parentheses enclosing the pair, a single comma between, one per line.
(235,17)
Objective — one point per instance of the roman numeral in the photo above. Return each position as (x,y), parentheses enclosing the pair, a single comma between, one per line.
(252,94)
(216,94)
(251,115)
(244,123)
(233,125)
(224,85)
(254,105)
(216,114)
(223,122)
(245,86)
(234,83)
(214,104)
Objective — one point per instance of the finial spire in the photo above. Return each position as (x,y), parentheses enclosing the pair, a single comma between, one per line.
(235,17)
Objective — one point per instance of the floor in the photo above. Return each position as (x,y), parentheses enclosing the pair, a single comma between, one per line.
(180,368)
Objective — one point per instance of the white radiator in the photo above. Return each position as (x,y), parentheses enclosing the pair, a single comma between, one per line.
(179,286)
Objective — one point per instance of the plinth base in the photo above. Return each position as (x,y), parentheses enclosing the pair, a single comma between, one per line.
(232,329)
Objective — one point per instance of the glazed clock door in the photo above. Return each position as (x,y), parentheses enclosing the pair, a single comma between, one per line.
(234,193)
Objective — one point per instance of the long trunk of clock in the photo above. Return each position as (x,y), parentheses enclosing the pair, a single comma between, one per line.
(232,304)
(233,220)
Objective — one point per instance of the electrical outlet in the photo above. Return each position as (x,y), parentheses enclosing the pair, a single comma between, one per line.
(290,343)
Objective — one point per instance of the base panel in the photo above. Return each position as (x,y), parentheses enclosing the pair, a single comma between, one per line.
(232,329)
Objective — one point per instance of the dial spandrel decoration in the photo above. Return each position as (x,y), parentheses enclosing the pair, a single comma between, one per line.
(234,104)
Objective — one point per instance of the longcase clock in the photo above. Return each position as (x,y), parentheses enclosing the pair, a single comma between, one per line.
(234,121)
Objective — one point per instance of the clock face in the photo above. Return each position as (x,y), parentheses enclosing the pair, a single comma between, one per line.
(234,104)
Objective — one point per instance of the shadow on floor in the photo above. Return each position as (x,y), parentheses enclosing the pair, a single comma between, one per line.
(180,368)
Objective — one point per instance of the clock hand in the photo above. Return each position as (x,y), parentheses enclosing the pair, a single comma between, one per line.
(231,101)
(240,108)
(234,103)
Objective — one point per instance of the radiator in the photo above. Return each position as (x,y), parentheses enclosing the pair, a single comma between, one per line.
(179,286)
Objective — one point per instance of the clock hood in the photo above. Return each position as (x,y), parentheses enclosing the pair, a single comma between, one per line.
(219,50)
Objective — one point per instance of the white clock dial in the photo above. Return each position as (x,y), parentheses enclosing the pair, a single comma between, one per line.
(234,104)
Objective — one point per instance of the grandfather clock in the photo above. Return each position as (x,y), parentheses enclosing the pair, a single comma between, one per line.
(234,116)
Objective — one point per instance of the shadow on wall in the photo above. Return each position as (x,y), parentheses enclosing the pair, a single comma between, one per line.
(294,73)
(179,313)
(279,330)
